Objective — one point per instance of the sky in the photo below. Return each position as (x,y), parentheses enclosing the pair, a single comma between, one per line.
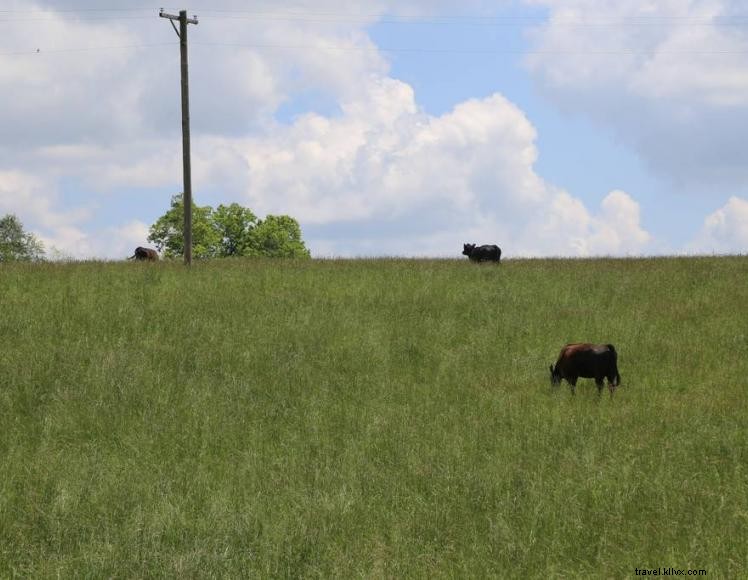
(551,128)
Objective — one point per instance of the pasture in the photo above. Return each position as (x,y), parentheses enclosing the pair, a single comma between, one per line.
(371,418)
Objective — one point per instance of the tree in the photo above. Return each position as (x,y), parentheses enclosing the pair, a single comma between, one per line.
(234,225)
(17,245)
(278,236)
(167,232)
(229,230)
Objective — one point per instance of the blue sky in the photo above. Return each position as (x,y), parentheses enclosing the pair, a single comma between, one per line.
(551,128)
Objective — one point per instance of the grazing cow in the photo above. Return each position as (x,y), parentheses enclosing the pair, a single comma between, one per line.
(144,254)
(590,361)
(489,253)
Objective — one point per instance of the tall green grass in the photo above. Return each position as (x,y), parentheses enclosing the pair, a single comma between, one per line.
(379,418)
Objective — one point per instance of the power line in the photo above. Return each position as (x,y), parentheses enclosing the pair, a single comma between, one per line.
(378,18)
(79,19)
(306,15)
(454,50)
(43,51)
(477,17)
(378,49)
(81,10)
(330,17)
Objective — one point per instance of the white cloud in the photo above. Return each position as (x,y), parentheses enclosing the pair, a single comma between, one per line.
(35,203)
(65,232)
(376,176)
(386,178)
(384,157)
(725,230)
(564,226)
(35,200)
(69,91)
(113,243)
(617,229)
(116,242)
(671,48)
(669,78)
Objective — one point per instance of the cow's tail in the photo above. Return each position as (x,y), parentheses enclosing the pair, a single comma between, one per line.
(612,350)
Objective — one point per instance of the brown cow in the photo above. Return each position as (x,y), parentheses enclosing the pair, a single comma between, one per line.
(144,254)
(590,361)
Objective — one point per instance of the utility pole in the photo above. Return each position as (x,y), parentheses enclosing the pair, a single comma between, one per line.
(187,170)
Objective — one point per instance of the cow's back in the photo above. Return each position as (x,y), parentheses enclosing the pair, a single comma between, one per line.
(486,253)
(586,360)
(142,253)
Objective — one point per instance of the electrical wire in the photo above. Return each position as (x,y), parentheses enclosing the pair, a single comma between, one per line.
(333,17)
(41,51)
(378,18)
(452,50)
(379,49)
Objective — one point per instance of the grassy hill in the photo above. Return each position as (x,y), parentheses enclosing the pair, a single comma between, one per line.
(383,418)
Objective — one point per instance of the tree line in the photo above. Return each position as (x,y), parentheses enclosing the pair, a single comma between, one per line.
(226,231)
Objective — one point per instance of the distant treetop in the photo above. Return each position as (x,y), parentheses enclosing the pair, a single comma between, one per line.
(228,230)
(16,245)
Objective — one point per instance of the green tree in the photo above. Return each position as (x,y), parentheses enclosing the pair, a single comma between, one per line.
(278,236)
(17,245)
(167,232)
(234,225)
(229,230)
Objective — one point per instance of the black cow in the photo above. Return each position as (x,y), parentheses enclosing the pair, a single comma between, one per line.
(488,253)
(590,361)
(144,254)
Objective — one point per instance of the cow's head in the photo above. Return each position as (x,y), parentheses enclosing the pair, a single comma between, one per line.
(555,377)
(467,249)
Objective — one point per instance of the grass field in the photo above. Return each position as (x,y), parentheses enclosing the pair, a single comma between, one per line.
(376,418)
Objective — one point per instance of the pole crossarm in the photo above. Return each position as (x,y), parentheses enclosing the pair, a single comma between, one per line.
(192,20)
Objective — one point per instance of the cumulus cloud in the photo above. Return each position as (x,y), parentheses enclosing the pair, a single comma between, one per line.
(663,49)
(112,243)
(725,231)
(668,78)
(377,175)
(35,203)
(385,157)
(64,97)
(36,200)
(386,178)
(65,232)
(614,230)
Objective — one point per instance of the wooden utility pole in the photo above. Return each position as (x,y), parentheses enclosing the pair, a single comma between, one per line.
(187,169)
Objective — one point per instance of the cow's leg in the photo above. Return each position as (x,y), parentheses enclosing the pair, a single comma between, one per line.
(613,381)
(573,383)
(599,384)
(612,384)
